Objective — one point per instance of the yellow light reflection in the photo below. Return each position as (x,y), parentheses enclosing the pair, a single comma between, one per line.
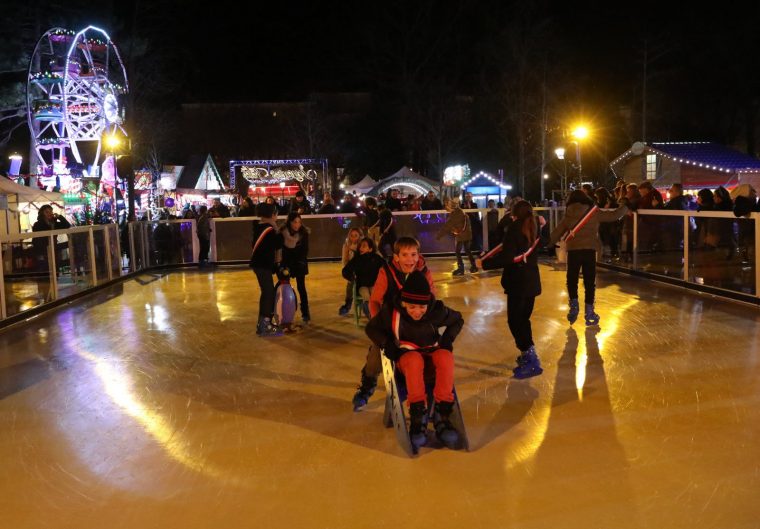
(611,323)
(119,391)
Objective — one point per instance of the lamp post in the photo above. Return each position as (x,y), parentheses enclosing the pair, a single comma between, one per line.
(113,142)
(579,133)
(282,193)
(560,152)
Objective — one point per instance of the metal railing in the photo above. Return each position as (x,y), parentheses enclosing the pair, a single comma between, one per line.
(712,251)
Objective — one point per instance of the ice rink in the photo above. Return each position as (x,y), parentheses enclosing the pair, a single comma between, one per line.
(153,404)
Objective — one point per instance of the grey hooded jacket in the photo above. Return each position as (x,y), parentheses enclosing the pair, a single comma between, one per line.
(587,238)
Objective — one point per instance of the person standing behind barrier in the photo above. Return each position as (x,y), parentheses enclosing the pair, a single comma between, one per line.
(300,204)
(371,222)
(267,240)
(458,225)
(431,202)
(295,253)
(387,232)
(609,232)
(580,228)
(46,221)
(203,229)
(476,225)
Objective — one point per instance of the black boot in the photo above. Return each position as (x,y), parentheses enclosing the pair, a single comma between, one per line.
(365,391)
(444,430)
(417,424)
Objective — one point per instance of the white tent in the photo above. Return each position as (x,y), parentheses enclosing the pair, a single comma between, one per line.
(406,181)
(28,194)
(361,187)
(14,197)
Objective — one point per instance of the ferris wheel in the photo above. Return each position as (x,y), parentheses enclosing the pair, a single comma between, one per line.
(75,97)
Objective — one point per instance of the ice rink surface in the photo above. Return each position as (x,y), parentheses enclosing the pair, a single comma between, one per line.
(153,404)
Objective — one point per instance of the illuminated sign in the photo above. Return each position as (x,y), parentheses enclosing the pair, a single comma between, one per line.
(455,174)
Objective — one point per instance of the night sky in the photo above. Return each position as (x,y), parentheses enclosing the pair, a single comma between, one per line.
(702,82)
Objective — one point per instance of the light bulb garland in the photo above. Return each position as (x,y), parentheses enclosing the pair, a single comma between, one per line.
(629,153)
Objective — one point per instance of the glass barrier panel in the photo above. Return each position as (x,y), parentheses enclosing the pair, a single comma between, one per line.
(116,249)
(75,268)
(186,238)
(27,274)
(722,253)
(101,264)
(327,235)
(233,239)
(137,261)
(426,227)
(170,243)
(660,245)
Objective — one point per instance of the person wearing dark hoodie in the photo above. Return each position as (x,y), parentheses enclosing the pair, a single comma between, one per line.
(580,229)
(407,330)
(390,279)
(267,240)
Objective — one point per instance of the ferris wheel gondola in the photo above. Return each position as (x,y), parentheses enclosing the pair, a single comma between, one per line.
(76,88)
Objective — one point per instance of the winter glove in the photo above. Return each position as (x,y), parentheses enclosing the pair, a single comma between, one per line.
(392,351)
(446,344)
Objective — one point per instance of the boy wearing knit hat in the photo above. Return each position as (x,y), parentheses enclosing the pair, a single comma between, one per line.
(390,279)
(407,331)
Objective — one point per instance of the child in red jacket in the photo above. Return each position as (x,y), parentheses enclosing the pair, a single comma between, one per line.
(407,331)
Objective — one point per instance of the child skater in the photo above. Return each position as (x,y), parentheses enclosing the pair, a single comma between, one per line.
(295,252)
(349,250)
(580,228)
(362,270)
(407,331)
(390,279)
(267,240)
(522,283)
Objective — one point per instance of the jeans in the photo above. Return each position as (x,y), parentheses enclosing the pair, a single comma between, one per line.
(463,245)
(578,260)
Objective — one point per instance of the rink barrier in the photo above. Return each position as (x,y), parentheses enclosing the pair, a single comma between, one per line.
(36,276)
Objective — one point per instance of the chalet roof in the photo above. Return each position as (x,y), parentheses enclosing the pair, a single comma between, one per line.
(703,154)
(708,153)
(193,171)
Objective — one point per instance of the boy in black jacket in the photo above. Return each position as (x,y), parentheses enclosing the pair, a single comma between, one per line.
(266,241)
(407,331)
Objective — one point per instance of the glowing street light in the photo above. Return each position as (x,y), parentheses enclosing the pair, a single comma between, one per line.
(580,133)
(560,152)
(113,141)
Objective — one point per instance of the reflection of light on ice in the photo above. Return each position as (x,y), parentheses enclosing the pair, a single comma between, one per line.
(118,387)
(611,322)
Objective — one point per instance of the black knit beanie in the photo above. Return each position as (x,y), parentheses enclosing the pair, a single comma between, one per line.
(416,289)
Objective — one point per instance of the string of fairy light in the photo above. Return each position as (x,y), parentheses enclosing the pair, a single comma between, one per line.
(680,159)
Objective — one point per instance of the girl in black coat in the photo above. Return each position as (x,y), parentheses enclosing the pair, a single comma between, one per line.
(295,251)
(522,283)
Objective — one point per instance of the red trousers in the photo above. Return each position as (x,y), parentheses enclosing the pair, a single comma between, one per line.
(412,365)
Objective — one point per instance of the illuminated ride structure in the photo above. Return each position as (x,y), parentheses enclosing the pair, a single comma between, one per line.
(75,93)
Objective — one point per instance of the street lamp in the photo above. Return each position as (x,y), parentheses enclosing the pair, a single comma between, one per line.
(579,133)
(560,152)
(113,142)
(282,193)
